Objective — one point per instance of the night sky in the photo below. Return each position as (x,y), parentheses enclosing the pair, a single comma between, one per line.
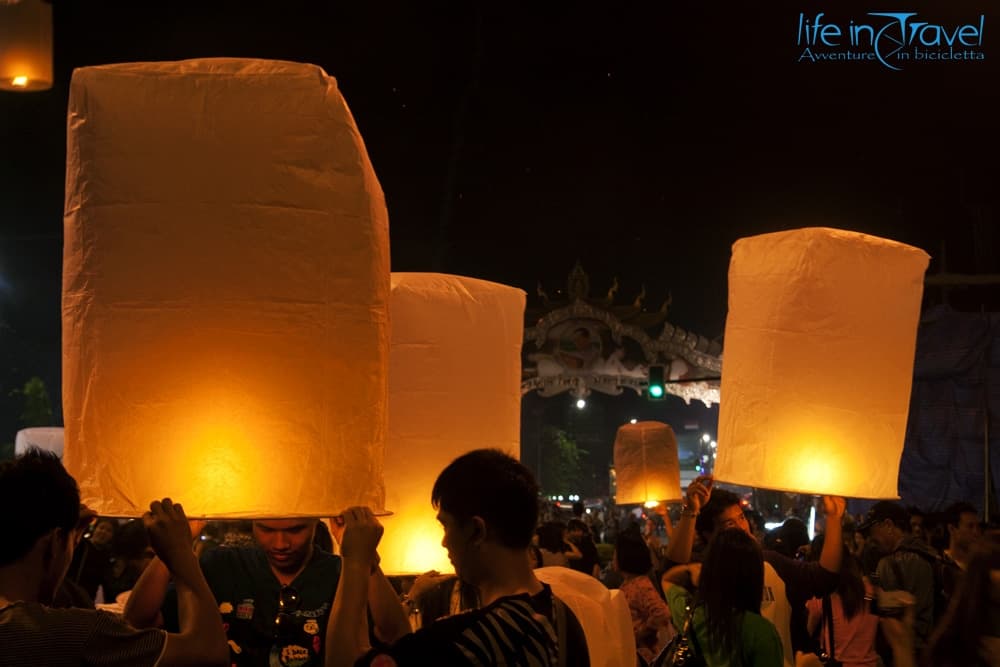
(513,139)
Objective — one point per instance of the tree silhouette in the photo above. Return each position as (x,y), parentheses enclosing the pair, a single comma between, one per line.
(562,463)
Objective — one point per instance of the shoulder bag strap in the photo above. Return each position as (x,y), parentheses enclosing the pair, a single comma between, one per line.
(689,631)
(828,612)
(559,612)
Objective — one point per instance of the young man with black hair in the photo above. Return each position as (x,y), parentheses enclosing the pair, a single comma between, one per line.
(487,503)
(907,564)
(273,596)
(788,582)
(962,522)
(919,525)
(41,520)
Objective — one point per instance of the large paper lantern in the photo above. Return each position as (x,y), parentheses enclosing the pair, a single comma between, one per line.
(46,438)
(646,467)
(225,292)
(818,362)
(25,45)
(603,614)
(454,386)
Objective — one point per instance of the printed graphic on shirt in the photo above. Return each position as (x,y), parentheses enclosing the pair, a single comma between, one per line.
(244,610)
(289,656)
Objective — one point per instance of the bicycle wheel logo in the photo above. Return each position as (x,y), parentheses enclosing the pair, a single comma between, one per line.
(890,40)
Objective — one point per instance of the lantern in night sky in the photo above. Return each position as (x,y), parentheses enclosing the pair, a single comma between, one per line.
(454,386)
(25,45)
(647,470)
(225,292)
(818,361)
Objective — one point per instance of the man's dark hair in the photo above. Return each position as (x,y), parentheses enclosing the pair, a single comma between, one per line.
(36,495)
(632,554)
(552,536)
(720,501)
(913,511)
(953,513)
(495,487)
(322,538)
(577,524)
(790,535)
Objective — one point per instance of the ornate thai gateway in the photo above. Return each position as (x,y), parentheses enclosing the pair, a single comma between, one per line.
(581,344)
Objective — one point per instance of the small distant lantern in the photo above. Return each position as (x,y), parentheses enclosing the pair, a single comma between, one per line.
(225,292)
(818,362)
(25,45)
(646,466)
(454,386)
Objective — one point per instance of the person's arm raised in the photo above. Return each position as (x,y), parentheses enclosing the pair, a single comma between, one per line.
(388,614)
(833,549)
(346,630)
(201,640)
(142,609)
(686,576)
(682,537)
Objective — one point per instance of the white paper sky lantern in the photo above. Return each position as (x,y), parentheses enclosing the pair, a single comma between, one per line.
(46,438)
(225,292)
(454,386)
(818,362)
(25,45)
(646,465)
(603,614)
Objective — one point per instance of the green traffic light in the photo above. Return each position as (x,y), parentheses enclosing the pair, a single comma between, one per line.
(654,388)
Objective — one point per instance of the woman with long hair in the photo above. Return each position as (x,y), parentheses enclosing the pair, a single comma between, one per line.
(969,633)
(651,618)
(728,630)
(854,626)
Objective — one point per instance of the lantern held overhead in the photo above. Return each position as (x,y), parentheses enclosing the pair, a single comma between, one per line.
(454,386)
(818,361)
(647,469)
(225,292)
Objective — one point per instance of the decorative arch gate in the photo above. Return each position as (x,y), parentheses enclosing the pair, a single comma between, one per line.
(581,344)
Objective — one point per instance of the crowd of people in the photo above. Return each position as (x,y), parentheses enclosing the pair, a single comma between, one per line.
(886,589)
(284,600)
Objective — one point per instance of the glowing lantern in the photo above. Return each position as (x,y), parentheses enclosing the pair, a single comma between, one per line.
(225,292)
(454,386)
(818,362)
(646,467)
(25,45)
